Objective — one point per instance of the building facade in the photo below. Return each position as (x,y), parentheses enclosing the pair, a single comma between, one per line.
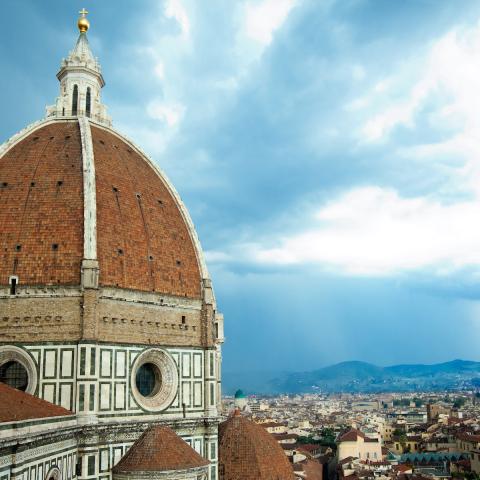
(355,444)
(106,305)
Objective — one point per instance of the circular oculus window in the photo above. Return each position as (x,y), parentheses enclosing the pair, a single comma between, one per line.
(17,369)
(148,379)
(154,380)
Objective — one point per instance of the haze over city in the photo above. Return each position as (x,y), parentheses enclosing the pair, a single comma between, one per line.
(328,153)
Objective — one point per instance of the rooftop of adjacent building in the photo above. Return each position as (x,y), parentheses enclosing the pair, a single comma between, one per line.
(16,406)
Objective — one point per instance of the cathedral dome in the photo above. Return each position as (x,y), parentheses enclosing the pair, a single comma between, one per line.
(248,451)
(95,242)
(61,184)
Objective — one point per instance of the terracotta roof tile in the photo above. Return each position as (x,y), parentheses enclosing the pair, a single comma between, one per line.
(36,211)
(160,449)
(466,437)
(351,435)
(16,405)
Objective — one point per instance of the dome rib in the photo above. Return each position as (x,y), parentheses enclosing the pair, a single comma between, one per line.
(89,191)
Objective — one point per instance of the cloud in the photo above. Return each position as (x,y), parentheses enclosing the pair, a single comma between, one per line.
(449,70)
(175,9)
(262,18)
(375,231)
(160,70)
(168,113)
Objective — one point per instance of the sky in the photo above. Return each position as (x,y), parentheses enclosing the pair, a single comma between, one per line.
(328,152)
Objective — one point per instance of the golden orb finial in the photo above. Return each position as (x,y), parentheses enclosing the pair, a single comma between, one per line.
(83,23)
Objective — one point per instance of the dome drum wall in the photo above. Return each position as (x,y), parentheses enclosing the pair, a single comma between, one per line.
(41,315)
(145,318)
(49,314)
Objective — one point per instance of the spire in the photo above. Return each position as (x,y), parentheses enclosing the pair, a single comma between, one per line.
(81,81)
(82,52)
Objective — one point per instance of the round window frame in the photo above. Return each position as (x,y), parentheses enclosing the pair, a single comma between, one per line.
(10,353)
(166,392)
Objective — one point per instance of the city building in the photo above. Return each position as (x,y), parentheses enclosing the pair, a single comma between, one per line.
(355,444)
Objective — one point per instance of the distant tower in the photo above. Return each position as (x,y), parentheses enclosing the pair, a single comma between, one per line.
(240,400)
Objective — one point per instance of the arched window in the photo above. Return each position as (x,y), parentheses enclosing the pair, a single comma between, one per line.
(53,474)
(88,104)
(75,100)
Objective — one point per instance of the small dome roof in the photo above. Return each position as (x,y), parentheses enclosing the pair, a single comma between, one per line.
(249,452)
(239,394)
(160,449)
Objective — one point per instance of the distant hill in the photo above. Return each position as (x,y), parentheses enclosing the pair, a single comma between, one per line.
(362,377)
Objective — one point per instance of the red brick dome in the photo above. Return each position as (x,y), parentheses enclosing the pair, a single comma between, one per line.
(144,239)
(160,449)
(249,452)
